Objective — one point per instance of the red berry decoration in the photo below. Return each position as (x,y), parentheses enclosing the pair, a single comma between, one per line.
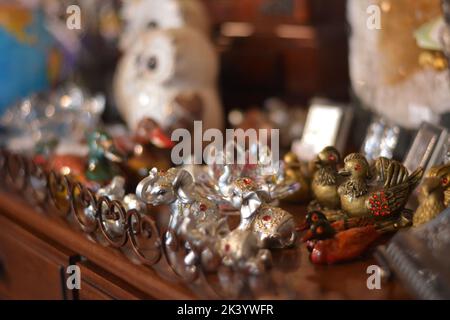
(203,207)
(266,218)
(247,180)
(379,205)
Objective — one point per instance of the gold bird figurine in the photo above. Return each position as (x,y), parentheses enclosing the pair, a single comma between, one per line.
(382,201)
(433,195)
(324,185)
(295,172)
(441,172)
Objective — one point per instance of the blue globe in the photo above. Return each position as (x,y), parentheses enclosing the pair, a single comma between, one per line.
(29,56)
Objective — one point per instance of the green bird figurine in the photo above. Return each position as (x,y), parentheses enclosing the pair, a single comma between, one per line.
(103,157)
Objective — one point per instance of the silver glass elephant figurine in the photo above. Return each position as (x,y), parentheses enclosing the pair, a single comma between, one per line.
(212,243)
(175,188)
(273,226)
(240,250)
(195,222)
(115,190)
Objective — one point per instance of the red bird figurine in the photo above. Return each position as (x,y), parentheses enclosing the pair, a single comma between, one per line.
(343,246)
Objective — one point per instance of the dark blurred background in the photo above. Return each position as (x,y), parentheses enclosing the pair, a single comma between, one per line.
(294,49)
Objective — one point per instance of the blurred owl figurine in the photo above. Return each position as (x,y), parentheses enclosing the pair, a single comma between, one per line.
(142,15)
(169,75)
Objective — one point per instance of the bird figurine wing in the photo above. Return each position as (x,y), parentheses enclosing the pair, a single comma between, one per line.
(389,201)
(390,172)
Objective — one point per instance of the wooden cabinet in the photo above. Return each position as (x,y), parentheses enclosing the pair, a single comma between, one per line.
(30,268)
(36,248)
(97,284)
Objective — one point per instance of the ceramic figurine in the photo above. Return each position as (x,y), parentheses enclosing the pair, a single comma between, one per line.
(326,180)
(344,246)
(146,148)
(143,15)
(94,167)
(102,158)
(274,227)
(294,172)
(170,77)
(387,200)
(51,120)
(197,222)
(441,172)
(115,190)
(372,200)
(254,189)
(240,250)
(331,243)
(433,195)
(175,188)
(204,241)
(212,243)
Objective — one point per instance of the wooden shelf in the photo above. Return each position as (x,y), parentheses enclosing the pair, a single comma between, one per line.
(108,274)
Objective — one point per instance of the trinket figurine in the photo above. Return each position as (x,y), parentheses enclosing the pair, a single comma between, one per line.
(45,121)
(434,195)
(294,172)
(371,201)
(175,188)
(253,190)
(192,216)
(387,200)
(148,147)
(341,241)
(213,243)
(325,181)
(274,227)
(240,250)
(100,165)
(102,157)
(196,220)
(169,76)
(116,191)
(344,246)
(143,15)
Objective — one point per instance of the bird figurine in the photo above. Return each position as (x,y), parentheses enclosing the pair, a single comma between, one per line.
(103,157)
(387,200)
(294,173)
(169,76)
(342,246)
(95,167)
(441,172)
(142,15)
(433,195)
(344,240)
(325,180)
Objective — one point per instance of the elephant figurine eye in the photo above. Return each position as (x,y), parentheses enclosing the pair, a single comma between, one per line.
(162,192)
(152,63)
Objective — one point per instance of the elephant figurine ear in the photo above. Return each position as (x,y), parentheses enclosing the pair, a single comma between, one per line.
(182,182)
(251,203)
